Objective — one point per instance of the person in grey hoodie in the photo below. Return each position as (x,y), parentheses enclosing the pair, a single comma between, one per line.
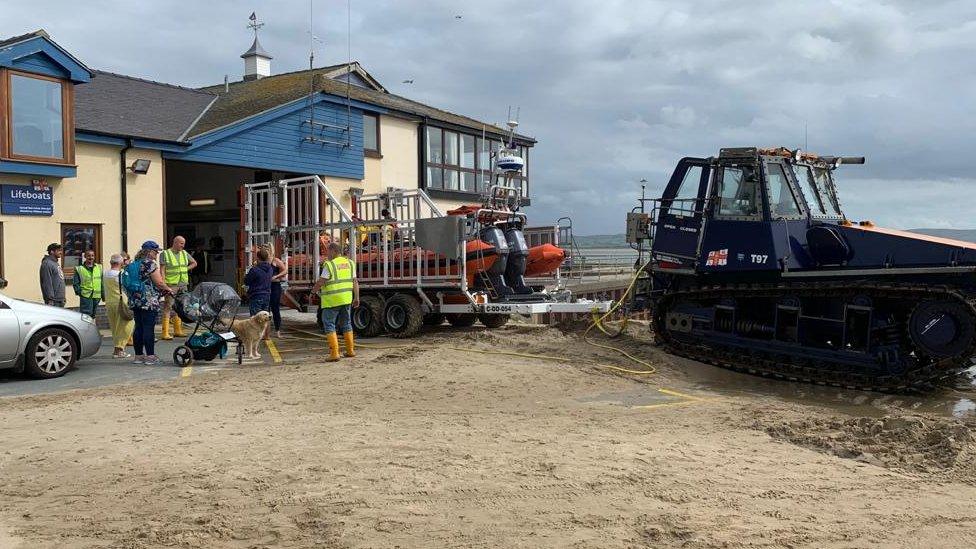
(52,277)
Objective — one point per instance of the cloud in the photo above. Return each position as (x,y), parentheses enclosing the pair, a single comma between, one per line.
(615,91)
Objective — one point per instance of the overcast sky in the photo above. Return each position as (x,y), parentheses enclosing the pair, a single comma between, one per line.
(614,91)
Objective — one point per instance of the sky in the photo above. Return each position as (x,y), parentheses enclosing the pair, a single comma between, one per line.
(614,91)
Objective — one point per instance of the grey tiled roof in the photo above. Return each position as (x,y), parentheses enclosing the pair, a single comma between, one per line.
(248,98)
(127,106)
(22,37)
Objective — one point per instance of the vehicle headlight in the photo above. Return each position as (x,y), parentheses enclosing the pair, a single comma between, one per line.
(88,319)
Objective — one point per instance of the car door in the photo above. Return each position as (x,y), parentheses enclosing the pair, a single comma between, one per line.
(9,333)
(679,223)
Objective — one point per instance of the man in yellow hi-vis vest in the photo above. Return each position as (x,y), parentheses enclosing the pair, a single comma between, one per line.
(337,291)
(176,265)
(87,283)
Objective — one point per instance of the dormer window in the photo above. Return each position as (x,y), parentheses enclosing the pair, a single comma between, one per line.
(39,119)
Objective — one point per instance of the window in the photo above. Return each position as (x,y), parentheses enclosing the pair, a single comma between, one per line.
(371,133)
(782,202)
(435,146)
(689,184)
(463,162)
(813,198)
(39,113)
(77,239)
(738,192)
(826,188)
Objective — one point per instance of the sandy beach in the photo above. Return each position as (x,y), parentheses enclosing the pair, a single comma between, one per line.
(425,445)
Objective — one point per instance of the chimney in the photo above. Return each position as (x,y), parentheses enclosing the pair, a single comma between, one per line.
(257,62)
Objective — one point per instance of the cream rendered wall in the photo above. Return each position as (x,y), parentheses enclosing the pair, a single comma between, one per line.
(91,197)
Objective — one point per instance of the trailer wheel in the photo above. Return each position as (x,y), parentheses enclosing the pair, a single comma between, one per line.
(403,316)
(462,320)
(494,321)
(433,319)
(367,319)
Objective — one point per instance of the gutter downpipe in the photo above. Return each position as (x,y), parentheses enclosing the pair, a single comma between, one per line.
(125,201)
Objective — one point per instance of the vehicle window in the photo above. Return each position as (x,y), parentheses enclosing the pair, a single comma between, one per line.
(782,203)
(822,178)
(687,192)
(810,192)
(738,195)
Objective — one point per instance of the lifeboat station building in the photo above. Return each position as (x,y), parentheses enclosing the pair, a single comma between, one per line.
(102,161)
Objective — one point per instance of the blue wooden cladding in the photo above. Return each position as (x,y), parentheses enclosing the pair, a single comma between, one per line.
(41,56)
(275,140)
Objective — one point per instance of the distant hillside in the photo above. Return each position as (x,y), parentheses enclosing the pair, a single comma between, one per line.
(969,235)
(601,241)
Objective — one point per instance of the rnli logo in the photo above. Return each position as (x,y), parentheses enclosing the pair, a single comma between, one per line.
(717,258)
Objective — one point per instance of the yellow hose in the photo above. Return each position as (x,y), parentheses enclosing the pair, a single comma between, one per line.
(597,323)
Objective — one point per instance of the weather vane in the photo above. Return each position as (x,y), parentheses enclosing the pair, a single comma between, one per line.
(254,24)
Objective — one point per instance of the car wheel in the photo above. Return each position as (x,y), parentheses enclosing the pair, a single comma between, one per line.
(50,353)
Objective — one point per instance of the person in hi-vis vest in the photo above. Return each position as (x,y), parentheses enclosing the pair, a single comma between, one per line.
(87,284)
(337,291)
(176,265)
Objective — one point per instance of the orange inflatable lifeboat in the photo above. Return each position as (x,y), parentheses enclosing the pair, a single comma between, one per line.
(544,259)
(479,256)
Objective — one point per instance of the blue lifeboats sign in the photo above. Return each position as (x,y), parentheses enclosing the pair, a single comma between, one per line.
(26,200)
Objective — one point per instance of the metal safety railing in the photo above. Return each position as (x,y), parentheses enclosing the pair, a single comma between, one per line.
(301,216)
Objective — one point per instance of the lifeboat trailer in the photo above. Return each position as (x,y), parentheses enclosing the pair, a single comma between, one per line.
(414,266)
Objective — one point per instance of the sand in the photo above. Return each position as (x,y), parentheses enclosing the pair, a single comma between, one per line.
(425,446)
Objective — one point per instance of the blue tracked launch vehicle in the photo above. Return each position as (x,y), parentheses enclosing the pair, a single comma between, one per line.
(747,261)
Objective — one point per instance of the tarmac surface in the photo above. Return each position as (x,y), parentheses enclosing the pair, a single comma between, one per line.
(103,370)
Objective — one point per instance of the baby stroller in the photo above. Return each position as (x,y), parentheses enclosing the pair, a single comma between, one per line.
(211,307)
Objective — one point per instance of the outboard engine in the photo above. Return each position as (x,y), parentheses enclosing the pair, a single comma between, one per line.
(518,256)
(496,274)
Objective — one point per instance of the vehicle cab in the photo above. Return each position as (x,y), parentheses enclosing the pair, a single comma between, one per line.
(747,210)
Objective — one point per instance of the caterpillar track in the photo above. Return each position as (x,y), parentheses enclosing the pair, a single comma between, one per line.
(888,361)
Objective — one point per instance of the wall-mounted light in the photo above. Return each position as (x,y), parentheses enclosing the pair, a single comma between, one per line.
(197,202)
(140,166)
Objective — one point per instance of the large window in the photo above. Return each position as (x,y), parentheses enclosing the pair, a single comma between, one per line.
(78,239)
(371,133)
(782,202)
(826,188)
(39,124)
(458,161)
(810,194)
(738,193)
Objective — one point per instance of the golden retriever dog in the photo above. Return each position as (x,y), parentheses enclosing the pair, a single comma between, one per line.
(250,332)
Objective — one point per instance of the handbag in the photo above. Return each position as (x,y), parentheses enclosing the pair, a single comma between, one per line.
(125,313)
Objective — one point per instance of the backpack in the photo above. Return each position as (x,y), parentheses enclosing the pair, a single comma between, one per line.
(130,279)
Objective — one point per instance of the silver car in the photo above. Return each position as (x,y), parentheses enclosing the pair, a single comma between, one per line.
(43,341)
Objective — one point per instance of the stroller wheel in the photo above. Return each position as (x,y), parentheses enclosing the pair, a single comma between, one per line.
(183,356)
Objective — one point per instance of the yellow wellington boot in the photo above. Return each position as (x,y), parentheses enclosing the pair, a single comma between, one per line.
(350,344)
(333,347)
(166,335)
(178,327)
